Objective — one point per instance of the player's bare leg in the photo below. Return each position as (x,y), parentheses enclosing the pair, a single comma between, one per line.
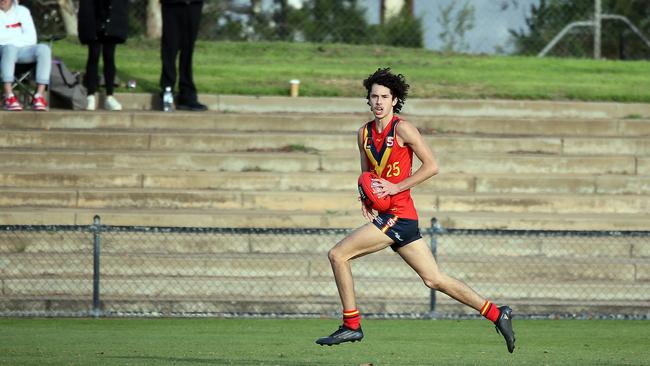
(418,255)
(364,240)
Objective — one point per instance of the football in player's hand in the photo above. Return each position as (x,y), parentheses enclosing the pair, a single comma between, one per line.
(367,193)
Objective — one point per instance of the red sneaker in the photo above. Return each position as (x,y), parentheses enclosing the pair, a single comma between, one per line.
(39,103)
(11,104)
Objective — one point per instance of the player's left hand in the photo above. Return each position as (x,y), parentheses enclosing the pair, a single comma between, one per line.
(384,188)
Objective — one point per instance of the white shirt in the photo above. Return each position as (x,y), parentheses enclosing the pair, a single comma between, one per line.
(17,27)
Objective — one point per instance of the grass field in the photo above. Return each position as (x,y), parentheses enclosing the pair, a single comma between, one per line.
(249,68)
(291,342)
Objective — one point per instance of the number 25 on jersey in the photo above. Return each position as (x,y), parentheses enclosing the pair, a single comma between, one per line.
(393,170)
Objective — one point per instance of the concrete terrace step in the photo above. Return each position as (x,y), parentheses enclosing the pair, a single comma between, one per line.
(232,142)
(326,201)
(417,106)
(302,219)
(321,181)
(70,160)
(300,122)
(277,141)
(327,162)
(534,203)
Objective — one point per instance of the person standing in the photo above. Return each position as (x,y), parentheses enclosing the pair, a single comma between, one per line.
(386,146)
(102,25)
(180,27)
(18,45)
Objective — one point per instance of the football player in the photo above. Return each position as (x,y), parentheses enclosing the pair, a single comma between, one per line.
(386,147)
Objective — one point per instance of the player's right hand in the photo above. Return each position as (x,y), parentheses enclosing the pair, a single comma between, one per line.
(367,212)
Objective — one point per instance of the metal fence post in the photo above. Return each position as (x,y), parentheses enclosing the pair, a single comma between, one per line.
(597,28)
(435,230)
(96,228)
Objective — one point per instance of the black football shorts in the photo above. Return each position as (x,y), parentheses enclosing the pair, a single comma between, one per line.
(402,231)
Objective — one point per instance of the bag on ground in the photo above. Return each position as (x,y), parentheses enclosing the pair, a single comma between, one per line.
(66,88)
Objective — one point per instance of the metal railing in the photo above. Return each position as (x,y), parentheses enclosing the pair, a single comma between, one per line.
(596,23)
(102,270)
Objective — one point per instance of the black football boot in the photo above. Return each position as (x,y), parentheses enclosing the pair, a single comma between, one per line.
(343,334)
(504,326)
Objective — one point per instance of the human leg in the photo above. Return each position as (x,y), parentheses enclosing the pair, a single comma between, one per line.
(42,54)
(91,77)
(191,21)
(364,240)
(418,255)
(169,44)
(108,58)
(8,58)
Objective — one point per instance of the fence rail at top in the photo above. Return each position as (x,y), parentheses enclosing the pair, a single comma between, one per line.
(101,270)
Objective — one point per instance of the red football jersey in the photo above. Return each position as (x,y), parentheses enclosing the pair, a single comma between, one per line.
(391,162)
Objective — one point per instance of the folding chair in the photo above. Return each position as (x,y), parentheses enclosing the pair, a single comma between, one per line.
(23,77)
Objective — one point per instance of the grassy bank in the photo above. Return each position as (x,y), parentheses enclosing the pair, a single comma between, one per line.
(337,70)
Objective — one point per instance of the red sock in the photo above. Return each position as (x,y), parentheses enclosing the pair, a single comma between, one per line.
(490,311)
(352,319)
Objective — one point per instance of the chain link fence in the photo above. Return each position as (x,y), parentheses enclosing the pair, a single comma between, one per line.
(100,270)
(471,26)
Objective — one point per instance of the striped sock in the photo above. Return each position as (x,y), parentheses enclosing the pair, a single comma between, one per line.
(352,319)
(490,311)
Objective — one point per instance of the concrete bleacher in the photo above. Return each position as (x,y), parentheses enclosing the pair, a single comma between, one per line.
(253,163)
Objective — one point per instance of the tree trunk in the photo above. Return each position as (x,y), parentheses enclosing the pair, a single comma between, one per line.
(69,16)
(154,19)
(390,8)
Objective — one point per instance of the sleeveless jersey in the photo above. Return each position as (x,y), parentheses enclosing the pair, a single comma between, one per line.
(392,162)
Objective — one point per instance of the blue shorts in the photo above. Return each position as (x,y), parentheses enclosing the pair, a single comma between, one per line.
(402,231)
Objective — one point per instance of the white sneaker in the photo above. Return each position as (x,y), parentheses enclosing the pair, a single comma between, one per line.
(90,103)
(111,104)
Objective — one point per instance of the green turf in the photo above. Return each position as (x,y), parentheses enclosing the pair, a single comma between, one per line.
(291,342)
(250,68)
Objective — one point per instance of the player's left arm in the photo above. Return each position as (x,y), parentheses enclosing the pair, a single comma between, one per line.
(410,136)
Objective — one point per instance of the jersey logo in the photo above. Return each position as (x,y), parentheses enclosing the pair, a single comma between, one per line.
(379,159)
(389,223)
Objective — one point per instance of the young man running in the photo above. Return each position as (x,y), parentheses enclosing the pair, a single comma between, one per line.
(386,145)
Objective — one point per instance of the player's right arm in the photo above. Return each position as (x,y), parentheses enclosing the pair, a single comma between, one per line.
(362,150)
(365,210)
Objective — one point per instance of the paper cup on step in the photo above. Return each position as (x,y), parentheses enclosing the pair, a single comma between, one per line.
(295,87)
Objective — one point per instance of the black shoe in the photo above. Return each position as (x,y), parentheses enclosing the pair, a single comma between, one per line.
(343,334)
(191,106)
(504,326)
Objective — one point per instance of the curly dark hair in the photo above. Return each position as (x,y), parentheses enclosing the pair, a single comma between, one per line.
(396,83)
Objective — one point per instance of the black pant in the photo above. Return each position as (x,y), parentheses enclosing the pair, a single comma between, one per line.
(92,66)
(180,27)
